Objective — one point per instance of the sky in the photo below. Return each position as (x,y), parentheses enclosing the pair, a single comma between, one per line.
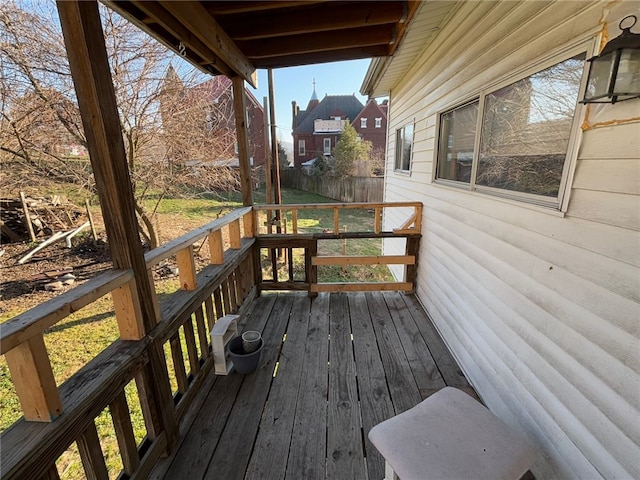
(296,83)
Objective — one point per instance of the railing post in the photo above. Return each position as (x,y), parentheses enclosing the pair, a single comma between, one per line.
(128,313)
(216,250)
(33,379)
(187,268)
(234,235)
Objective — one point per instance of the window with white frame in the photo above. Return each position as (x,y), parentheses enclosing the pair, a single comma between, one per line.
(327,146)
(363,123)
(404,147)
(379,122)
(514,141)
(302,150)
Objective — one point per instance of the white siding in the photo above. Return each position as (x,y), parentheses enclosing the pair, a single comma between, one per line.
(542,310)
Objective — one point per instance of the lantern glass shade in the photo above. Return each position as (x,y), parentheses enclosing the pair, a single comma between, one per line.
(600,80)
(627,81)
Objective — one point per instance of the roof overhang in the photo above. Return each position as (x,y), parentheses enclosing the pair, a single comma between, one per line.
(385,73)
(238,37)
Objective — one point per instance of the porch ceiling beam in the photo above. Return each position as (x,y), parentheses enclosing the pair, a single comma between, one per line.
(226,7)
(182,34)
(278,61)
(196,19)
(313,19)
(313,43)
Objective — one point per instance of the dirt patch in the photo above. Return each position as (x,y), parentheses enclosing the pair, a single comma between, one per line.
(19,288)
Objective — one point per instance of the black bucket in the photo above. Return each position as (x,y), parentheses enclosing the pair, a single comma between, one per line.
(244,362)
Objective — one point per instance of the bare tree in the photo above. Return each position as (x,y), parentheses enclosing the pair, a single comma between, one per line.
(166,124)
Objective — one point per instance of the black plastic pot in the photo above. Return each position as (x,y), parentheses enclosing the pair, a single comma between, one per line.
(244,362)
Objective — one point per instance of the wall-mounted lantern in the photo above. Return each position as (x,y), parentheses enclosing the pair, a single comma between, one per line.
(614,75)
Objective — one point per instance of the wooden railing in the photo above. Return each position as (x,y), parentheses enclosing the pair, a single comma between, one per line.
(226,285)
(278,229)
(166,379)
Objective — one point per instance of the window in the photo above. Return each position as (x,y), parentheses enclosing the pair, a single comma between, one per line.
(327,146)
(520,145)
(301,147)
(363,123)
(379,122)
(404,144)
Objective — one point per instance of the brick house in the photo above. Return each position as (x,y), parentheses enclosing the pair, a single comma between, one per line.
(317,129)
(210,105)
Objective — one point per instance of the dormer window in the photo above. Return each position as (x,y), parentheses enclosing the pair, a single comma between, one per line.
(363,123)
(334,117)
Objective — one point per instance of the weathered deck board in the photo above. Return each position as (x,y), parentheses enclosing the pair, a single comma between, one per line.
(270,453)
(404,390)
(345,457)
(311,420)
(232,456)
(375,399)
(306,453)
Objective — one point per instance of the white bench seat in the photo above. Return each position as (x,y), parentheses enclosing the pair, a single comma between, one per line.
(451,436)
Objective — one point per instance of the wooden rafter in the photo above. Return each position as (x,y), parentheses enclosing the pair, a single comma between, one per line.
(313,19)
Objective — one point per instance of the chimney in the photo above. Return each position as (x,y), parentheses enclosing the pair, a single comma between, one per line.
(294,111)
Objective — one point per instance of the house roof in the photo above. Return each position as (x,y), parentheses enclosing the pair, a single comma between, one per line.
(214,87)
(348,104)
(236,37)
(384,73)
(372,106)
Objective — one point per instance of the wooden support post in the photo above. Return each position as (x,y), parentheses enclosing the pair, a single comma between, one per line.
(91,454)
(84,41)
(234,235)
(411,270)
(187,268)
(33,379)
(418,215)
(216,249)
(274,146)
(294,221)
(377,225)
(267,154)
(127,309)
(27,217)
(242,134)
(247,223)
(311,270)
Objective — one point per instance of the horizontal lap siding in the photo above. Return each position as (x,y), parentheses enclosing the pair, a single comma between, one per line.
(542,311)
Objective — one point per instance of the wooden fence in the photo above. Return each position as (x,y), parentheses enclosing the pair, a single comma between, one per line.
(348,190)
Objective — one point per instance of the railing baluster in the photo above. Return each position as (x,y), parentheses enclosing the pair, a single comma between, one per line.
(178,363)
(91,454)
(234,235)
(192,352)
(216,248)
(124,433)
(336,220)
(202,331)
(226,297)
(377,227)
(294,221)
(247,221)
(211,314)
(127,309)
(186,268)
(217,298)
(33,379)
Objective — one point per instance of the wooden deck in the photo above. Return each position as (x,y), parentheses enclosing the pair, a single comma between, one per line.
(343,363)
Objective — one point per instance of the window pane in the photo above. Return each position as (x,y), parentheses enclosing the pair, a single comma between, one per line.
(457,138)
(406,148)
(526,128)
(399,145)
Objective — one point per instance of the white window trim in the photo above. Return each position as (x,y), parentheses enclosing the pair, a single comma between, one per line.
(378,122)
(562,200)
(395,156)
(363,123)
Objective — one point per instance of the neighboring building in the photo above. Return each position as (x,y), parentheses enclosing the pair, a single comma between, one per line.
(529,266)
(209,106)
(317,129)
(371,124)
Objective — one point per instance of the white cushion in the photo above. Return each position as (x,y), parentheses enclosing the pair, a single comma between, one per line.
(452,436)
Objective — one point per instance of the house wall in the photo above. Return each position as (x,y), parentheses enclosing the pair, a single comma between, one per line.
(540,307)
